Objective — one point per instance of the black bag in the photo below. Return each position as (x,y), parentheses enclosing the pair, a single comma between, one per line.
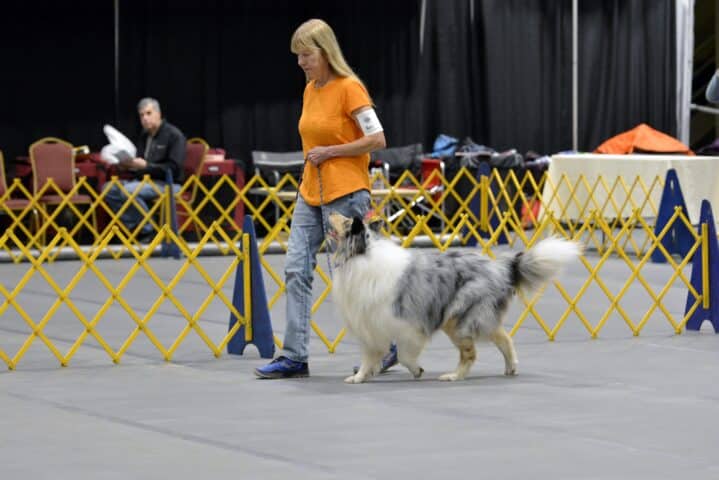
(507,159)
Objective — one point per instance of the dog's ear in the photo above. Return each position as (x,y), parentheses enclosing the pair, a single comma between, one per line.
(338,223)
(375,224)
(357,226)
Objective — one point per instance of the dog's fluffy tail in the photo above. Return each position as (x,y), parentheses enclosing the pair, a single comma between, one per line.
(543,262)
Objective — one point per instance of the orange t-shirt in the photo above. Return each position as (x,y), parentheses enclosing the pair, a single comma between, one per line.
(327,120)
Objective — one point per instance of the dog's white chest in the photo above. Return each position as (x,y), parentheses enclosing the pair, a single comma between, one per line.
(364,288)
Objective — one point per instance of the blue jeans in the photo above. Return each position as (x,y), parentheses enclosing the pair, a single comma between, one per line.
(306,235)
(132,217)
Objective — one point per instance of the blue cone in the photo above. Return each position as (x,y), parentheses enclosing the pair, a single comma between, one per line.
(711,313)
(678,240)
(485,170)
(262,336)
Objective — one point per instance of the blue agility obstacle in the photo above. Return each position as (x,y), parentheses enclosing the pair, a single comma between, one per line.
(485,170)
(679,239)
(262,336)
(712,312)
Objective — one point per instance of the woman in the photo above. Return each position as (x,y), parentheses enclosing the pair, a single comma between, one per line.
(339,129)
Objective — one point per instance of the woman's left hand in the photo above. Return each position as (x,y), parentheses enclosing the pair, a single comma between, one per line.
(318,155)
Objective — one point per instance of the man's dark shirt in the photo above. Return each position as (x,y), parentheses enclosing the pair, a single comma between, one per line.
(167,150)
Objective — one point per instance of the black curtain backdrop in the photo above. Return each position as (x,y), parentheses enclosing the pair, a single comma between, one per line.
(627,70)
(528,67)
(498,71)
(56,72)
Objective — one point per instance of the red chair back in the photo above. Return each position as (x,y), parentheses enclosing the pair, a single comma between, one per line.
(52,158)
(429,165)
(196,150)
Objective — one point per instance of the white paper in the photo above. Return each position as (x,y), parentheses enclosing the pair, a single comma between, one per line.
(120,148)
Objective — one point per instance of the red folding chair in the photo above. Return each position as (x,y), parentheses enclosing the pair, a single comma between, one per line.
(53,158)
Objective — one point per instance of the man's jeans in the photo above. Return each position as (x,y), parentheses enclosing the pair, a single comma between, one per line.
(306,235)
(131,217)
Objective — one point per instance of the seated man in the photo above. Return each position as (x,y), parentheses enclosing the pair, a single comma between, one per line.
(161,147)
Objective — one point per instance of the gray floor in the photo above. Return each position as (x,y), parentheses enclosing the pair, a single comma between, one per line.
(618,407)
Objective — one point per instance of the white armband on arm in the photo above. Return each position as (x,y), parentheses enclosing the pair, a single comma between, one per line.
(368,122)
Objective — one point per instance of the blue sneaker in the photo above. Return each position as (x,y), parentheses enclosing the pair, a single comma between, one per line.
(388,361)
(283,367)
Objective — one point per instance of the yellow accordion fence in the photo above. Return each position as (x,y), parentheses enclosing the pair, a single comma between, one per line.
(615,218)
(121,295)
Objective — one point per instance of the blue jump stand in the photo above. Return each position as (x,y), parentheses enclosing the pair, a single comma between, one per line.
(485,170)
(678,240)
(262,336)
(711,313)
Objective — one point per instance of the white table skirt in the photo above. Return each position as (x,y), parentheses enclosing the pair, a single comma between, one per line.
(698,178)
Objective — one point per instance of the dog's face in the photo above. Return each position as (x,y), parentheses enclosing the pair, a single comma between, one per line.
(350,236)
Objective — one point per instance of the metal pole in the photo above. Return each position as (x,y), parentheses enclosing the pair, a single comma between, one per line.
(575,78)
(705,109)
(116,17)
(422,19)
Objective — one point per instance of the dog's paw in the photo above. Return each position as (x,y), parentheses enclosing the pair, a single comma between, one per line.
(354,379)
(417,375)
(449,377)
(511,370)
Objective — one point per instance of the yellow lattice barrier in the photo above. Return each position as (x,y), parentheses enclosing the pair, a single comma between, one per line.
(270,206)
(208,198)
(121,295)
(486,211)
(618,230)
(16,204)
(482,199)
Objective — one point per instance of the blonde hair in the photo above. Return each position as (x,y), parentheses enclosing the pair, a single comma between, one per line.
(316,34)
